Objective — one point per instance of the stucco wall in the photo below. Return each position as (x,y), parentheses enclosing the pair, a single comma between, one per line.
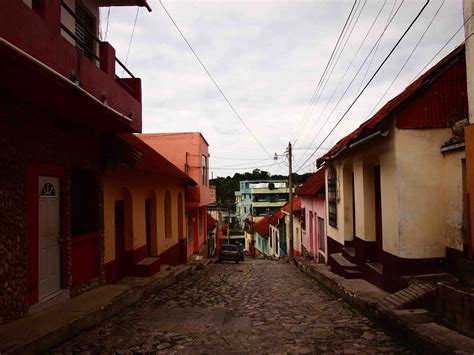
(421,189)
(174,146)
(139,186)
(454,199)
(316,207)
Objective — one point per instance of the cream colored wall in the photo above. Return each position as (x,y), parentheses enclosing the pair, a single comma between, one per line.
(139,185)
(422,200)
(296,235)
(454,195)
(468,31)
(344,230)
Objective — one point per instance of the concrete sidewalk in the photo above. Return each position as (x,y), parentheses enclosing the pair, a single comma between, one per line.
(417,326)
(41,331)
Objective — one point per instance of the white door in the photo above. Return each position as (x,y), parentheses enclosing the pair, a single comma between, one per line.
(49,270)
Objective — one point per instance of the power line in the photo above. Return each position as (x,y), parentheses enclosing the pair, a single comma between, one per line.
(345,40)
(228,158)
(313,97)
(353,78)
(378,45)
(246,167)
(233,166)
(347,69)
(370,80)
(408,58)
(444,46)
(213,81)
(131,38)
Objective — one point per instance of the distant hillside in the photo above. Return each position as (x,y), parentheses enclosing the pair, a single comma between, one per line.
(226,186)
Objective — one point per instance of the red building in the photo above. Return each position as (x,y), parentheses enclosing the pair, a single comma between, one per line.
(61,103)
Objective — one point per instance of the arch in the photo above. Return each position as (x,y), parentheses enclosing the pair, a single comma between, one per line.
(168,216)
(180,216)
(151,223)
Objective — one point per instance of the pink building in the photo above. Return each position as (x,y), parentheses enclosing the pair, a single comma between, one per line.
(313,212)
(189,152)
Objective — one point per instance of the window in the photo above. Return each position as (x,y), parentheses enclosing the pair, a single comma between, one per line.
(84,202)
(85,30)
(303,219)
(168,220)
(204,170)
(332,196)
(48,190)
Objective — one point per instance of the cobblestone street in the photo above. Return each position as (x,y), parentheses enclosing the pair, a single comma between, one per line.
(256,306)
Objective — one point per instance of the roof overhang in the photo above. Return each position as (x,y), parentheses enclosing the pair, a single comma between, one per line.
(142,3)
(28,80)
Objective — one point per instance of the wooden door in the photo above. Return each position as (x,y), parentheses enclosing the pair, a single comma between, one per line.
(120,256)
(49,261)
(378,214)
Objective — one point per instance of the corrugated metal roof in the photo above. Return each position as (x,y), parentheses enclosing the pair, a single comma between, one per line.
(313,184)
(428,102)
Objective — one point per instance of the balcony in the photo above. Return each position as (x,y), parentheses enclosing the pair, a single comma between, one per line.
(47,66)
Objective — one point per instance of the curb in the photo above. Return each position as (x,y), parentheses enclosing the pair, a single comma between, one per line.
(417,326)
(134,289)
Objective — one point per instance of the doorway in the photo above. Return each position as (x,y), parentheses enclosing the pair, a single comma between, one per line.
(378,214)
(49,258)
(120,255)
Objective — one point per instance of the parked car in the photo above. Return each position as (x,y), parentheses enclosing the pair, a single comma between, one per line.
(230,252)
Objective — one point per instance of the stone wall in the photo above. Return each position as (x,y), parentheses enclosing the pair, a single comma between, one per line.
(32,135)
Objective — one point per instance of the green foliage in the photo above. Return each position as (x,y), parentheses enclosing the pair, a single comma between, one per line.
(226,186)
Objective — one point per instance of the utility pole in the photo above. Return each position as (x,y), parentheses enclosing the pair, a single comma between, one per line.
(252,235)
(290,202)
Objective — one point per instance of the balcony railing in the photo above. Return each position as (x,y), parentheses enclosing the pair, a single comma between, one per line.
(91,53)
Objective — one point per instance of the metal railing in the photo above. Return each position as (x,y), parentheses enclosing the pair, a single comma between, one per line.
(90,53)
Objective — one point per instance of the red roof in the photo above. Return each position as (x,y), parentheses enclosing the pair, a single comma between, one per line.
(262,227)
(313,184)
(296,205)
(436,101)
(211,222)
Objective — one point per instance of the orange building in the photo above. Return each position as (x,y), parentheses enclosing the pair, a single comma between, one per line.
(189,152)
(144,222)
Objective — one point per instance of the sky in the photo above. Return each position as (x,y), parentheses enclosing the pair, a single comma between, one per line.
(268,58)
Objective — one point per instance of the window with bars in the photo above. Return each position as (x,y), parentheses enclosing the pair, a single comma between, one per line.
(332,196)
(85,31)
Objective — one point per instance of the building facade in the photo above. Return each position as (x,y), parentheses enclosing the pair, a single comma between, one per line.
(190,153)
(313,216)
(61,102)
(144,211)
(260,198)
(396,186)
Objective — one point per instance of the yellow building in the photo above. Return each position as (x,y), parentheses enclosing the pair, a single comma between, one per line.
(144,206)
(396,185)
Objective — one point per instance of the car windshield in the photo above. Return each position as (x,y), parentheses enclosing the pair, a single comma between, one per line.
(229,247)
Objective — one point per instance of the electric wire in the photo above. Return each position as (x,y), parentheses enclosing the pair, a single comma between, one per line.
(228,158)
(368,83)
(313,97)
(444,46)
(408,58)
(345,41)
(246,167)
(347,69)
(213,81)
(131,38)
(237,165)
(376,48)
(352,80)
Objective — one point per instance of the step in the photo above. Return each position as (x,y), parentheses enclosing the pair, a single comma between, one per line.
(352,274)
(147,267)
(343,262)
(409,295)
(349,254)
(377,267)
